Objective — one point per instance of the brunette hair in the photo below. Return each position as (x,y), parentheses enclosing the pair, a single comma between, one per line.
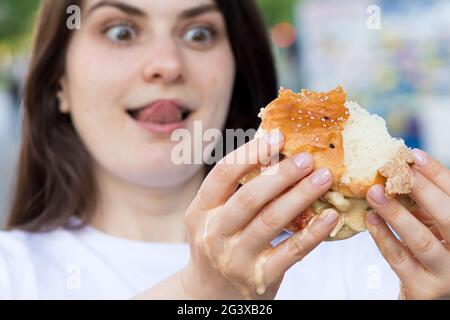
(54,176)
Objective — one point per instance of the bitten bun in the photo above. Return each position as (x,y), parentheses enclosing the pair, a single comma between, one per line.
(352,143)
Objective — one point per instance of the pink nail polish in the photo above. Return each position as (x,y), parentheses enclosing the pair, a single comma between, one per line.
(303,160)
(376,193)
(321,176)
(329,217)
(374,218)
(420,157)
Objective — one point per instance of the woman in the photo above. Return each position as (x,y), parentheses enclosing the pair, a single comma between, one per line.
(102,211)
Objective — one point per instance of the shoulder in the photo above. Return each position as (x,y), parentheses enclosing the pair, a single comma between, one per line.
(20,252)
(15,265)
(14,246)
(20,244)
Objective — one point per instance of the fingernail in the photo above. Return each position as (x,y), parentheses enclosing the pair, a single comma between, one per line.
(321,176)
(373,218)
(376,193)
(328,217)
(420,157)
(275,138)
(303,160)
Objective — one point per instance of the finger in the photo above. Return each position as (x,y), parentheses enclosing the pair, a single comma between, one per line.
(223,179)
(432,169)
(269,223)
(428,221)
(417,237)
(297,246)
(436,231)
(435,201)
(423,217)
(242,207)
(395,253)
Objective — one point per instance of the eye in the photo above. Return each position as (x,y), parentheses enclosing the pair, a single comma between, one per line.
(120,33)
(199,36)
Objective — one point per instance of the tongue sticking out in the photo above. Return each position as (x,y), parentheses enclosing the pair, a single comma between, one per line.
(161,113)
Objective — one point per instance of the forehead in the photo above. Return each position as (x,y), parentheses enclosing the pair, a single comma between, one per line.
(152,7)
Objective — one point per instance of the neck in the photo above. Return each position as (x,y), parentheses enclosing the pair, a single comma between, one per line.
(144,214)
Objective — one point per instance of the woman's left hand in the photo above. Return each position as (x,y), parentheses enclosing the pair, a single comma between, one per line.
(421,259)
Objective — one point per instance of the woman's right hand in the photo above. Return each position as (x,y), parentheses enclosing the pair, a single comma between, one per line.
(230,230)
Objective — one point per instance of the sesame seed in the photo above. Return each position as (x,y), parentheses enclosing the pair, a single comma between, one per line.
(331,146)
(324,125)
(308,124)
(325,98)
(300,111)
(312,118)
(300,118)
(299,125)
(308,112)
(292,119)
(316,140)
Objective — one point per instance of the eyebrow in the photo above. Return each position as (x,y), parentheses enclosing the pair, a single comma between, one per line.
(134,11)
(126,8)
(197,11)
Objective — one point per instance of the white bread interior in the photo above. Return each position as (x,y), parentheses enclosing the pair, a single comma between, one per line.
(368,145)
(370,154)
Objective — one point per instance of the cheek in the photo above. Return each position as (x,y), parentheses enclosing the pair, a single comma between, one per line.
(213,77)
(96,82)
(217,78)
(101,75)
(94,92)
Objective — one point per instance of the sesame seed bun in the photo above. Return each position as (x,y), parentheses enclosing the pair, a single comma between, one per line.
(354,144)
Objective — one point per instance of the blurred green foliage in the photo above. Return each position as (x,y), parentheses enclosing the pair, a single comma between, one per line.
(16,17)
(276,11)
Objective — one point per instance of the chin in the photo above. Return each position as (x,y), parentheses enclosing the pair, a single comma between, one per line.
(164,176)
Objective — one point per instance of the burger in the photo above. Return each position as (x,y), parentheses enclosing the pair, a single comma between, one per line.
(345,138)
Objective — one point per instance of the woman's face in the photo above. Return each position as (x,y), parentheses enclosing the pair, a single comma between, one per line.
(131,70)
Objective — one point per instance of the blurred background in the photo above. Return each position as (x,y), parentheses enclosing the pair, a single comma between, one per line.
(392,56)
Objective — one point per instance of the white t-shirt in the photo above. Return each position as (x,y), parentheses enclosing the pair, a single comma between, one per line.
(89,264)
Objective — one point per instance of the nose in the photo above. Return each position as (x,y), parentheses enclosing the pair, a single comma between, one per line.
(164,63)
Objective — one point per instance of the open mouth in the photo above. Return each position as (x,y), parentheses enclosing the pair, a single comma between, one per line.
(161,112)
(135,114)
